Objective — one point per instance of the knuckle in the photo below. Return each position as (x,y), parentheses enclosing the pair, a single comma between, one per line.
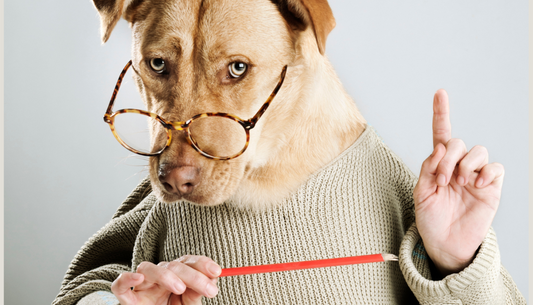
(143,266)
(481,149)
(427,166)
(500,167)
(204,260)
(427,162)
(116,283)
(457,143)
(199,279)
(192,259)
(182,258)
(167,276)
(466,166)
(445,166)
(440,131)
(163,264)
(175,266)
(443,145)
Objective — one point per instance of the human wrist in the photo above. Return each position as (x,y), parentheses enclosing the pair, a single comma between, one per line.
(446,264)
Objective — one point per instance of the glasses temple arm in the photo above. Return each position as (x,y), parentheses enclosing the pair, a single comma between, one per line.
(117,87)
(258,115)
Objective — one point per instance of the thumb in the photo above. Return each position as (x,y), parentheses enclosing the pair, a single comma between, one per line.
(175,300)
(427,181)
(121,287)
(189,297)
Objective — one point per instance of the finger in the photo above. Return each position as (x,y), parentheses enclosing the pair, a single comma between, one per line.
(455,151)
(490,173)
(429,167)
(194,279)
(203,264)
(442,129)
(121,287)
(160,276)
(191,297)
(427,178)
(175,299)
(474,160)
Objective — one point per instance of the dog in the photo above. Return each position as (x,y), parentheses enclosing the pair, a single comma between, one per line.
(310,122)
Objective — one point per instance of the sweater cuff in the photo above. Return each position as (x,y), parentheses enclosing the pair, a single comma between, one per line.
(99,298)
(478,283)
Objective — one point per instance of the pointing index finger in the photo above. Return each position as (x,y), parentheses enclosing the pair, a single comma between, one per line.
(442,129)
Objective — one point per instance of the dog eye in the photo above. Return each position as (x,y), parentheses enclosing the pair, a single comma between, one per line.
(237,69)
(158,65)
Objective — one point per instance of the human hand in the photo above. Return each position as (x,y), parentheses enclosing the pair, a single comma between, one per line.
(183,281)
(456,197)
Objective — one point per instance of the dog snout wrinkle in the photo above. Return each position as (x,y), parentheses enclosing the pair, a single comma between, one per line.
(180,180)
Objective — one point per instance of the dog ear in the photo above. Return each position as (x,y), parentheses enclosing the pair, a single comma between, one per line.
(110,12)
(302,13)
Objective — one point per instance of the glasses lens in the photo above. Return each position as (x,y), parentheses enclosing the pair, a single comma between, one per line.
(218,136)
(134,130)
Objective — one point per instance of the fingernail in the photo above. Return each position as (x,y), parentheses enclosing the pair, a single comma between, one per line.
(212,290)
(180,287)
(479,182)
(460,180)
(136,276)
(214,269)
(441,180)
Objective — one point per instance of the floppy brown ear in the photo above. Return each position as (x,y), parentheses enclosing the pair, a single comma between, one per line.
(315,13)
(110,12)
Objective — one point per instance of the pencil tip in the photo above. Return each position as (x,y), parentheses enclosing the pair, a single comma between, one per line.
(389,257)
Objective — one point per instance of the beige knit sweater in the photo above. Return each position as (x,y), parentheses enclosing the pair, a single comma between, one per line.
(361,203)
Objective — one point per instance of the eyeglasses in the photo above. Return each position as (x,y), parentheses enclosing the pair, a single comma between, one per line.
(215,135)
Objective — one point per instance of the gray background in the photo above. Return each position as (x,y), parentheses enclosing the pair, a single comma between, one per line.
(65,174)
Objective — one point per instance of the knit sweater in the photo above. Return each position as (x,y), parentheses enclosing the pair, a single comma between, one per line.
(360,203)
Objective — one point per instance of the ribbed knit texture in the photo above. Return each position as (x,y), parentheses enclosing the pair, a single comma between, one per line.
(108,252)
(361,203)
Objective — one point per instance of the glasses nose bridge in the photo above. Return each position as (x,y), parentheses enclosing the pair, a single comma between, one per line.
(181,128)
(177,126)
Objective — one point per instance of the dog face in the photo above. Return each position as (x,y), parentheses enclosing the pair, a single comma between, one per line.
(192,57)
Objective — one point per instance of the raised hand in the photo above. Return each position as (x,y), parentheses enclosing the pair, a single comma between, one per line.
(457,195)
(180,282)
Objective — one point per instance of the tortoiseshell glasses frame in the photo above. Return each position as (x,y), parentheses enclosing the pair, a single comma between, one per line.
(109,117)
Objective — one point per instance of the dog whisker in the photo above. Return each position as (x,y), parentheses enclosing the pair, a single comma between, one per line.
(136,161)
(144,172)
(140,160)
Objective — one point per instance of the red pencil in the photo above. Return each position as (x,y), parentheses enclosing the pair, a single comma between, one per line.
(352,260)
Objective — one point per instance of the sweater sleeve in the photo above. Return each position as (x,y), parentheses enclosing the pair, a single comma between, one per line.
(108,253)
(99,298)
(92,287)
(484,281)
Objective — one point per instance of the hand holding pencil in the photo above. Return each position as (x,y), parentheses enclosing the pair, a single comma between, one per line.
(185,280)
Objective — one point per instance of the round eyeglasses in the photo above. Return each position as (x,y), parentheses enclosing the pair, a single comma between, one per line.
(215,135)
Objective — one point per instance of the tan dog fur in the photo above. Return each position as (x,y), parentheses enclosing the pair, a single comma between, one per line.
(310,122)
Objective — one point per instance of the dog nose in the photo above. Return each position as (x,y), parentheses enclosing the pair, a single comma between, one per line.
(180,180)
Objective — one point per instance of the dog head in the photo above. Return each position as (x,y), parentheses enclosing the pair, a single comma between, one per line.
(203,56)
